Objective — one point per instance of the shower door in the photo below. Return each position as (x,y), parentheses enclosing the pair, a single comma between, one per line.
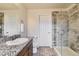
(60,31)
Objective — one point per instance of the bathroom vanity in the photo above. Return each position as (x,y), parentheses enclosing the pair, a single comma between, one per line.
(27,50)
(24,49)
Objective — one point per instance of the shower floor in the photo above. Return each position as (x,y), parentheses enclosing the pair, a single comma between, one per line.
(66,51)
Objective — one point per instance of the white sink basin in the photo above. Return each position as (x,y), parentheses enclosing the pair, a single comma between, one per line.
(17,41)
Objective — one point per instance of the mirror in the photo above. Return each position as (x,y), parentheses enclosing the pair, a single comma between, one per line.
(11,24)
(1,24)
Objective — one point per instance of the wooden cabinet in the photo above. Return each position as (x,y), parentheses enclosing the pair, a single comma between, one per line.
(27,50)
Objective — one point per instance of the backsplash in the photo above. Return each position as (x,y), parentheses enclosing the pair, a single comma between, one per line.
(14,37)
(5,38)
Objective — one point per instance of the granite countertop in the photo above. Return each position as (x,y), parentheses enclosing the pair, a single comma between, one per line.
(6,50)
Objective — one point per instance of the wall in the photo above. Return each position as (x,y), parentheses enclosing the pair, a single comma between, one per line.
(73,36)
(74,33)
(23,17)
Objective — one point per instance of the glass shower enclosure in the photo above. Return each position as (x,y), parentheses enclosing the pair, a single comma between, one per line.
(60,41)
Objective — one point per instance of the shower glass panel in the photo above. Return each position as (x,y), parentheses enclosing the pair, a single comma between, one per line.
(65,28)
(60,41)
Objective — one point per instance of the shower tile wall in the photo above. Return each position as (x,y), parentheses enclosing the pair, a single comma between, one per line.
(74,28)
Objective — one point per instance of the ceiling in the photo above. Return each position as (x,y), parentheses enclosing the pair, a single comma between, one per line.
(46,5)
(8,6)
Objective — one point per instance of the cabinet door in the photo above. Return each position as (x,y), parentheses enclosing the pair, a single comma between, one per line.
(27,50)
(30,50)
(26,53)
(21,53)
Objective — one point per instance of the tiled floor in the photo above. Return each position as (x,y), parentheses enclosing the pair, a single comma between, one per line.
(45,51)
